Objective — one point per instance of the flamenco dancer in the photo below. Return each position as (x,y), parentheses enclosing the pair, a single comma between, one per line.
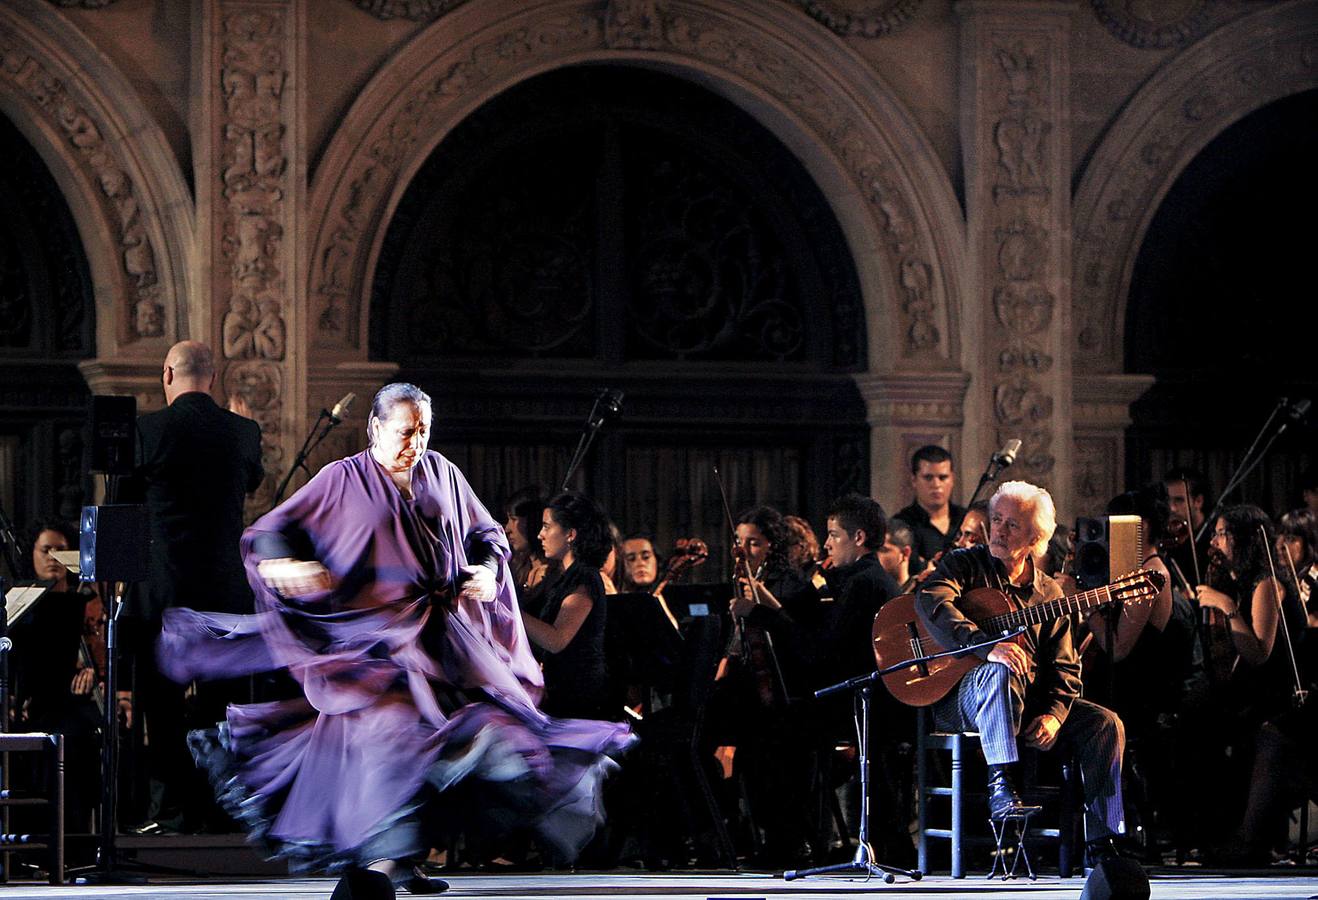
(383,588)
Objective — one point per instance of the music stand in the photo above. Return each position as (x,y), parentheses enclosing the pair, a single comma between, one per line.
(863,862)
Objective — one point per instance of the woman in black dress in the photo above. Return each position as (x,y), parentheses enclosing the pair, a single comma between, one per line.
(570,628)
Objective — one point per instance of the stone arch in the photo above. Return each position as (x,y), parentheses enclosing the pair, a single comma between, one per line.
(132,207)
(895,204)
(1228,74)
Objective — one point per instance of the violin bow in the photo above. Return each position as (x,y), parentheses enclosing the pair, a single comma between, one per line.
(1300,694)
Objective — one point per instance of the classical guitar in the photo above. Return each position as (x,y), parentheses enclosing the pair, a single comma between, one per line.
(899,634)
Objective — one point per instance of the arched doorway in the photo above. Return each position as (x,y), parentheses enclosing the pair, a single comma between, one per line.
(47,324)
(1221,305)
(611,226)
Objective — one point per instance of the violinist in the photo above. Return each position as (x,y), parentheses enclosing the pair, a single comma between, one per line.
(857,541)
(857,528)
(895,554)
(530,569)
(59,669)
(1297,546)
(803,549)
(1217,741)
(570,629)
(1251,601)
(766,697)
(1189,499)
(640,564)
(974,526)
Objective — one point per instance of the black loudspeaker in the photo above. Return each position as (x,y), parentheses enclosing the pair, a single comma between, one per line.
(113,423)
(1116,879)
(1107,548)
(115,543)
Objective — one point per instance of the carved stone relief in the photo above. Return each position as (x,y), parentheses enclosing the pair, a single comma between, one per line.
(253,163)
(413,10)
(1018,226)
(696,34)
(873,20)
(1156,26)
(1232,72)
(143,309)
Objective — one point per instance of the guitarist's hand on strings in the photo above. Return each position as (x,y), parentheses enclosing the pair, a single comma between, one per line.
(1012,656)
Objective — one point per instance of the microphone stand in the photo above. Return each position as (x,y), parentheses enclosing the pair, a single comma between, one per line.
(1251,459)
(863,862)
(991,472)
(594,421)
(314,437)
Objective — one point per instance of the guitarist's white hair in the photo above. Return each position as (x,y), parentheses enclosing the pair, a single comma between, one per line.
(1043,511)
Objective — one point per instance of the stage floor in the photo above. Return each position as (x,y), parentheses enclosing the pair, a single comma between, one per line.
(1180,886)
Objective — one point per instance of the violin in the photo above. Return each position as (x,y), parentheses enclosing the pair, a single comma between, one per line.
(688,553)
(1214,628)
(1176,535)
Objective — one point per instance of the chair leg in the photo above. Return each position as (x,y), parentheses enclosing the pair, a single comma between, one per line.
(958,798)
(922,794)
(57,810)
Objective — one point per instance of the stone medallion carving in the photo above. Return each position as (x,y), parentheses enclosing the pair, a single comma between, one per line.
(1154,24)
(699,35)
(82,4)
(851,18)
(1230,73)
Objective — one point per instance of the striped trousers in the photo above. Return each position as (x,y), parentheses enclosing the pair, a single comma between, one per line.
(991,701)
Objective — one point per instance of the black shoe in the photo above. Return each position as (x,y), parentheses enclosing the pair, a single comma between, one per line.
(363,884)
(1004,802)
(414,882)
(1106,849)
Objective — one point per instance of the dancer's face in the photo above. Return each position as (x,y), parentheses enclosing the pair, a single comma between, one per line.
(401,437)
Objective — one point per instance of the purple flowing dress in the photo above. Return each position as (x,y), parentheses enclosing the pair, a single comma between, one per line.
(418,714)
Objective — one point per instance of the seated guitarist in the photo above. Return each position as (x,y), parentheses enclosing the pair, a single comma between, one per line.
(1036,681)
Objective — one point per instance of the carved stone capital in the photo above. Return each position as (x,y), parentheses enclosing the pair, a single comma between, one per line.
(136,378)
(1102,400)
(918,399)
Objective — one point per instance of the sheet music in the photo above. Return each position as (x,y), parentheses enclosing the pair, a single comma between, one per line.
(20,598)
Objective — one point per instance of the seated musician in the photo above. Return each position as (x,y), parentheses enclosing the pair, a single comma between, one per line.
(59,669)
(1035,682)
(857,527)
(895,554)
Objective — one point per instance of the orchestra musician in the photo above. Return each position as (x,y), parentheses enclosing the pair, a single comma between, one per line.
(932,514)
(1028,692)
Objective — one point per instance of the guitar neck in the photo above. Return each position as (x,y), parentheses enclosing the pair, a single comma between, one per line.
(1043,613)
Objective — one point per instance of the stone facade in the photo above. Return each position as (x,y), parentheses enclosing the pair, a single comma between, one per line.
(992,164)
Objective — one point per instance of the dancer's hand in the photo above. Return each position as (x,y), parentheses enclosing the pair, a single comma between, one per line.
(479,585)
(294,577)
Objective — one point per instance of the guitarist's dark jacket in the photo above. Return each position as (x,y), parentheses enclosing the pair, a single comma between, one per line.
(1054,678)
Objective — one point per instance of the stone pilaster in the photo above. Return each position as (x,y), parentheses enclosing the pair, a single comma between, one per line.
(905,411)
(1102,414)
(1015,128)
(250,164)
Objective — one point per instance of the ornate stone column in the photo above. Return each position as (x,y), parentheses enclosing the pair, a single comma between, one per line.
(1015,128)
(249,155)
(905,412)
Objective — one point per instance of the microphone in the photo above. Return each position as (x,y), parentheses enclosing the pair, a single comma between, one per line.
(1007,455)
(1295,412)
(608,405)
(341,408)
